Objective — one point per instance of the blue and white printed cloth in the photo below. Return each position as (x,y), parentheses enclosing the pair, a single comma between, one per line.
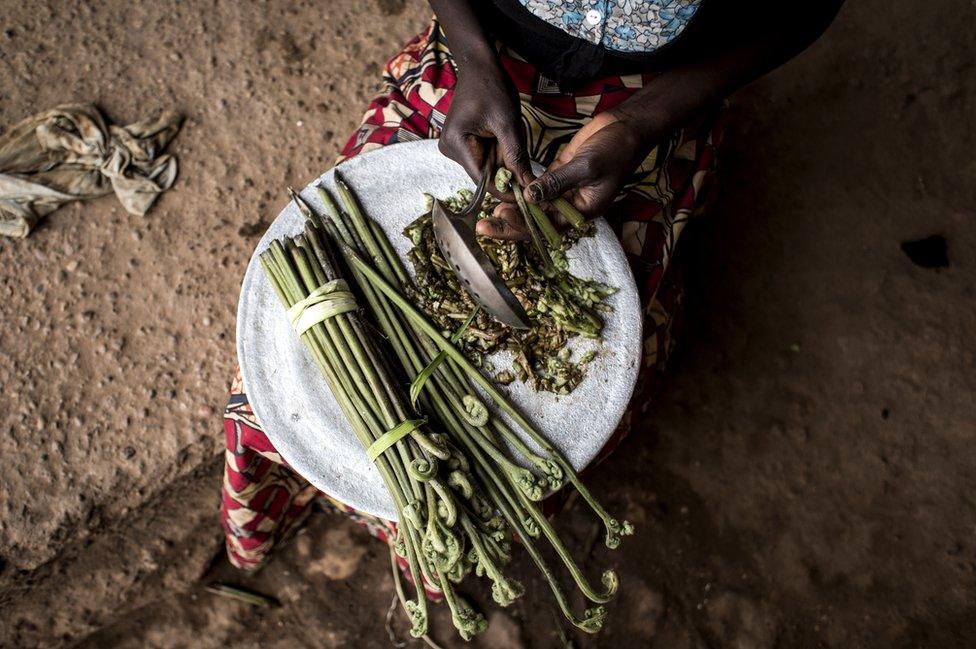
(622,25)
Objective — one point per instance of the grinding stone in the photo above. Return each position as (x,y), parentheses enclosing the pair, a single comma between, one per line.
(293,402)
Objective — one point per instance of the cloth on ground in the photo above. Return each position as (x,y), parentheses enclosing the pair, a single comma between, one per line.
(72,153)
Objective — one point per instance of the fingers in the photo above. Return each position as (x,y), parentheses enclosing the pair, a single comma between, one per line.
(506,223)
(555,182)
(511,149)
(465,140)
(512,154)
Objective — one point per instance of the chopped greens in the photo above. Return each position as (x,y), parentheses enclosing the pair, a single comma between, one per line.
(560,305)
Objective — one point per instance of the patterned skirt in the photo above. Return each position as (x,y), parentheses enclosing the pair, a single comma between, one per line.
(263,499)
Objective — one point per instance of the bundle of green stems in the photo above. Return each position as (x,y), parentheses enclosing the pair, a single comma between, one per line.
(459,497)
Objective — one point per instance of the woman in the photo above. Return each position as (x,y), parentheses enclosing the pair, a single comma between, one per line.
(617,99)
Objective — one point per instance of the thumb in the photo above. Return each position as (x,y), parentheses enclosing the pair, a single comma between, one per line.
(505,223)
(556,182)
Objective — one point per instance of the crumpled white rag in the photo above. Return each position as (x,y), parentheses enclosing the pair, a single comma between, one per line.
(71,153)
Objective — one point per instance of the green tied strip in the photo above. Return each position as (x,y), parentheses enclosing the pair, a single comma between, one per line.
(327,301)
(392,436)
(427,372)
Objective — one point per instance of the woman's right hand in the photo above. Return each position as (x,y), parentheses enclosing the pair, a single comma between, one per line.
(485,107)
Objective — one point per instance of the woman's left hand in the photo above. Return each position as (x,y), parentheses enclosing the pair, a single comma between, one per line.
(589,172)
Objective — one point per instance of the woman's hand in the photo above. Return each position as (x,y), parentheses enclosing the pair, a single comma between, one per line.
(594,166)
(485,108)
(591,170)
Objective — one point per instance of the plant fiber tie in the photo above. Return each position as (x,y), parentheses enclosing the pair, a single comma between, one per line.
(327,301)
(392,436)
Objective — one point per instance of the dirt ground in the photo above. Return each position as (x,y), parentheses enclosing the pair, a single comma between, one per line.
(805,480)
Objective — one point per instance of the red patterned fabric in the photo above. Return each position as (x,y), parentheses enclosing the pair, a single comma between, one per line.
(263,500)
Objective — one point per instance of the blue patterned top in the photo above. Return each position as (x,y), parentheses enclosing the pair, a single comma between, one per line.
(622,25)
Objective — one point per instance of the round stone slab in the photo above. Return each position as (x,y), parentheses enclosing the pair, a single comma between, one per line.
(293,402)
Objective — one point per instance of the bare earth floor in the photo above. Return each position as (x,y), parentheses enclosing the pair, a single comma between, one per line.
(805,480)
